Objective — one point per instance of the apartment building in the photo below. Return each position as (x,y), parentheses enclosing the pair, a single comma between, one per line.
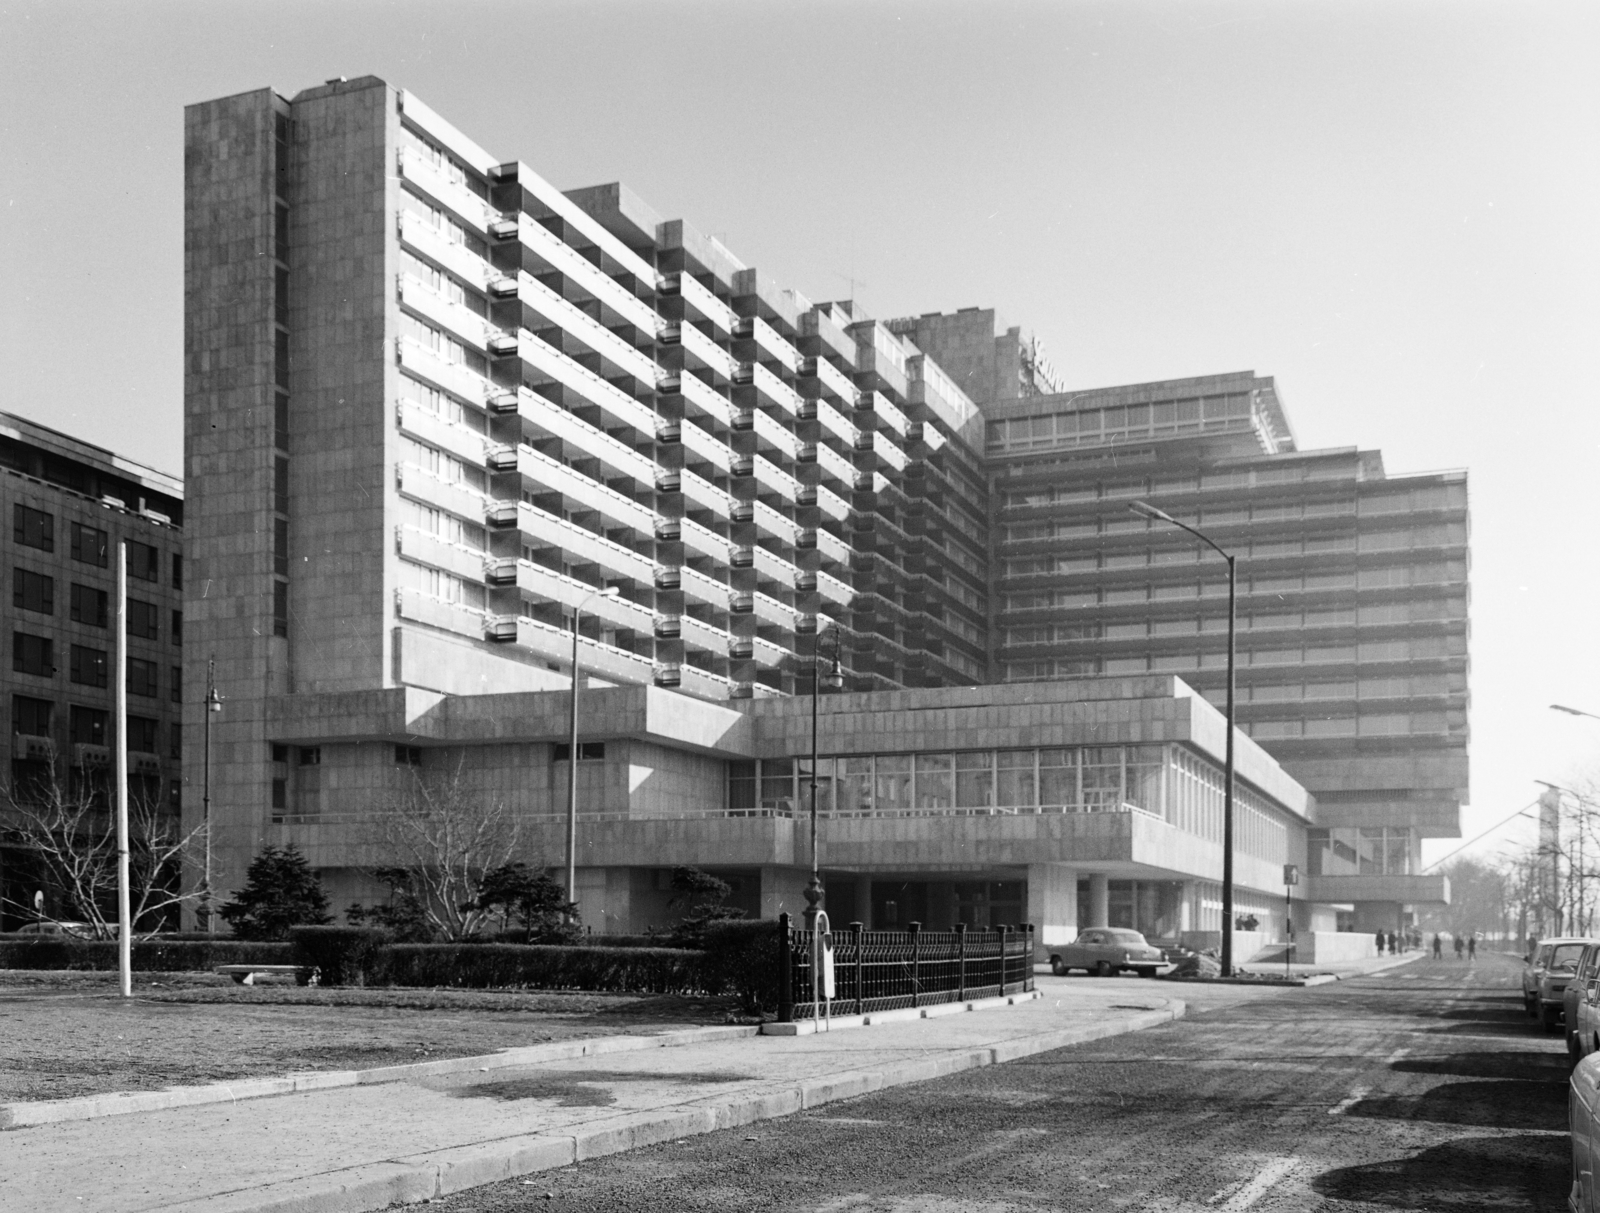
(435,406)
(68,505)
(1352,610)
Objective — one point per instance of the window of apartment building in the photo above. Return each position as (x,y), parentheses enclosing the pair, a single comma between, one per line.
(588,751)
(280,608)
(280,485)
(89,605)
(144,678)
(144,561)
(89,545)
(177,627)
(33,528)
(144,619)
(310,755)
(32,717)
(280,358)
(280,546)
(32,591)
(177,684)
(34,655)
(280,295)
(408,756)
(280,422)
(88,726)
(142,734)
(177,571)
(88,666)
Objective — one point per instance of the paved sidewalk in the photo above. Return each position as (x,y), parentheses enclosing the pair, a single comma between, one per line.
(434,1131)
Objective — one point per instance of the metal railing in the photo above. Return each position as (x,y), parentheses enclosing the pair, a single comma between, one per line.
(889,970)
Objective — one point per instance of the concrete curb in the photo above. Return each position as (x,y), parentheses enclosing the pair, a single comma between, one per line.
(809,1027)
(430,1175)
(123,1103)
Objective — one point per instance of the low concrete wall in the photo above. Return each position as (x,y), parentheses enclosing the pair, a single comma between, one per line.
(1245,943)
(1335,947)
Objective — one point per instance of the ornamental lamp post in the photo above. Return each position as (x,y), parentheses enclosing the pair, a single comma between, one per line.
(835,681)
(213,703)
(609,591)
(1146,510)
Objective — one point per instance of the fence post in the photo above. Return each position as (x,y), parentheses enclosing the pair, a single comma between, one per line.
(961,962)
(856,930)
(914,929)
(1027,967)
(785,971)
(1003,959)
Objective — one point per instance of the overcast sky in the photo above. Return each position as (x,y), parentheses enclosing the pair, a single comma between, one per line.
(1389,207)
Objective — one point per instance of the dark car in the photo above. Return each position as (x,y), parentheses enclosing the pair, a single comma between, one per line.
(1105,951)
(1546,975)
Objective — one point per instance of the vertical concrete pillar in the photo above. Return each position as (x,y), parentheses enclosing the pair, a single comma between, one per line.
(1099,900)
(864,900)
(1052,903)
(1186,908)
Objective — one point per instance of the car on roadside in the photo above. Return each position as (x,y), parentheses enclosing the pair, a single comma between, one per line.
(1583,1119)
(1575,1001)
(57,930)
(1545,976)
(1107,951)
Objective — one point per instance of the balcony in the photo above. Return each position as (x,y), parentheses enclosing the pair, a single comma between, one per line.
(542,529)
(833,589)
(436,612)
(836,466)
(768,431)
(500,570)
(926,434)
(695,681)
(459,200)
(705,447)
(561,258)
(702,352)
(765,653)
(555,644)
(706,542)
(699,303)
(830,419)
(769,610)
(769,522)
(574,321)
(498,515)
(551,365)
(579,491)
(772,391)
(694,633)
(831,382)
(772,566)
(569,591)
(707,496)
(881,406)
(432,244)
(827,501)
(466,445)
(460,322)
(828,545)
(451,377)
(464,562)
(700,588)
(769,343)
(822,338)
(883,451)
(705,400)
(616,456)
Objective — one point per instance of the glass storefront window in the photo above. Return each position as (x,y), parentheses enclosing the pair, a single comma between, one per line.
(892,782)
(975,779)
(777,784)
(1015,779)
(855,785)
(1058,777)
(935,781)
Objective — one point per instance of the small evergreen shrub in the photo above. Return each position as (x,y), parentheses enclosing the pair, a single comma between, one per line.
(741,959)
(149,956)
(488,966)
(345,956)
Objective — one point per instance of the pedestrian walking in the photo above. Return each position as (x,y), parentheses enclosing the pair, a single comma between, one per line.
(1460,947)
(1380,943)
(1438,946)
(1472,946)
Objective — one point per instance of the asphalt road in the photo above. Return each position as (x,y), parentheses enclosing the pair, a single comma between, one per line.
(1423,1088)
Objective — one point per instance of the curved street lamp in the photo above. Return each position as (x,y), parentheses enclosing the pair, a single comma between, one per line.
(834,680)
(1146,510)
(609,591)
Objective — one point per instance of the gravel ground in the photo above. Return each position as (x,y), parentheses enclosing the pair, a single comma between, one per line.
(69,1034)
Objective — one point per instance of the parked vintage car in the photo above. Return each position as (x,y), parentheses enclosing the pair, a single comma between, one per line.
(72,930)
(1545,977)
(1583,1119)
(1106,951)
(1575,999)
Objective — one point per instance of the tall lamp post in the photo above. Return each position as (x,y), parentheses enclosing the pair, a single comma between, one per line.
(213,704)
(1146,510)
(610,591)
(835,680)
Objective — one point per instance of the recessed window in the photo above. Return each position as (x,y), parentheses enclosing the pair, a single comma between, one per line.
(408,755)
(144,678)
(33,655)
(144,561)
(88,726)
(33,592)
(33,528)
(310,755)
(142,734)
(31,716)
(88,666)
(89,605)
(144,619)
(90,545)
(588,751)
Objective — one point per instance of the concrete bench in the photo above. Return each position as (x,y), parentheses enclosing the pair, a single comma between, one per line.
(245,975)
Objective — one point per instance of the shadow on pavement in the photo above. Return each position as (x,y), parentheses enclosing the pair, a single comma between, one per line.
(1536,1104)
(1525,1172)
(1515,1064)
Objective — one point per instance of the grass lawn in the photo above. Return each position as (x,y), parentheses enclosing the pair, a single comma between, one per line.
(69,1033)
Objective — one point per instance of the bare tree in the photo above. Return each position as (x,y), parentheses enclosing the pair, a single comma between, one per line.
(68,831)
(438,838)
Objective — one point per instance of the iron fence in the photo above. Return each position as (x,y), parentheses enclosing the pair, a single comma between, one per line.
(887,970)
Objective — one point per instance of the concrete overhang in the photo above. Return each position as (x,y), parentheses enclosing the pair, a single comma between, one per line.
(416,717)
(1408,890)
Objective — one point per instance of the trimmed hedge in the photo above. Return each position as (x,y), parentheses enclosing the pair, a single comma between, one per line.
(741,958)
(149,956)
(346,956)
(487,966)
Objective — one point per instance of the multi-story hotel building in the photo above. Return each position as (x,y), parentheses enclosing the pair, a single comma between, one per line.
(434,406)
(67,507)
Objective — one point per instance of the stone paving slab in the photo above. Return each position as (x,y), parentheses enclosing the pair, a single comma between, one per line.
(366,1145)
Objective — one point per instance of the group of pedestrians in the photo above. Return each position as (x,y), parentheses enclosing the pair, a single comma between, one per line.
(1469,945)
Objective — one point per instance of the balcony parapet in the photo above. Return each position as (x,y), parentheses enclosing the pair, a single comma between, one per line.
(555,476)
(426,239)
(427,180)
(418,360)
(542,529)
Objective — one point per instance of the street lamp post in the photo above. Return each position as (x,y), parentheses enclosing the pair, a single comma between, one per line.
(835,680)
(1146,510)
(609,591)
(213,704)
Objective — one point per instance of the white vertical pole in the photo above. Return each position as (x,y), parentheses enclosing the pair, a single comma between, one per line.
(124,914)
